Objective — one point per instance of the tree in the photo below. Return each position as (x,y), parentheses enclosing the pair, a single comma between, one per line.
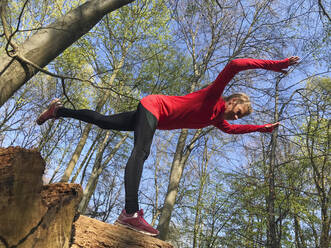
(213,36)
(25,60)
(317,136)
(257,189)
(190,28)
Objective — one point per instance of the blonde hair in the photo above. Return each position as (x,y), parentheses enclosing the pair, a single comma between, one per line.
(241,98)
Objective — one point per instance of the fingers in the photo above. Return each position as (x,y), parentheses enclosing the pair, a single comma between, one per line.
(276,124)
(294,60)
(273,125)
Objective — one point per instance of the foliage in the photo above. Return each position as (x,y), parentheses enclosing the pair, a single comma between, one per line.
(167,46)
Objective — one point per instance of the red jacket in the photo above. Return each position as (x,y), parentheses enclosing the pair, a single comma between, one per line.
(205,107)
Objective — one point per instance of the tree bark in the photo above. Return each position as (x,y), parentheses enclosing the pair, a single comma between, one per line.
(199,202)
(97,170)
(91,233)
(176,173)
(49,42)
(299,239)
(86,159)
(33,214)
(175,176)
(272,240)
(75,156)
(73,161)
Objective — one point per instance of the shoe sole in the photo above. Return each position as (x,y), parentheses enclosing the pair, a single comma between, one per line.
(134,229)
(40,120)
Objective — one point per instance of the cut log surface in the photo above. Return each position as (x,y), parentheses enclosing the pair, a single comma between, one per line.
(45,216)
(91,233)
(32,214)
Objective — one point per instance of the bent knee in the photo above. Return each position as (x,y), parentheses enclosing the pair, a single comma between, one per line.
(140,154)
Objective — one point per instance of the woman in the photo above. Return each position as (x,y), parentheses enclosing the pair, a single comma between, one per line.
(196,110)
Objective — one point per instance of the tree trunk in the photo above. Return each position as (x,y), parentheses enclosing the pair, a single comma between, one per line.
(325,232)
(92,233)
(175,176)
(73,161)
(272,236)
(299,239)
(177,168)
(59,165)
(76,154)
(324,195)
(97,170)
(178,163)
(86,159)
(272,241)
(156,211)
(33,214)
(203,178)
(88,191)
(50,42)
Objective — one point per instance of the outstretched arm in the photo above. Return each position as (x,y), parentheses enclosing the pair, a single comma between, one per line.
(240,129)
(217,87)
(272,65)
(293,60)
(238,65)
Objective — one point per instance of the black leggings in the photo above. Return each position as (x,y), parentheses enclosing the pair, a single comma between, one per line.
(143,123)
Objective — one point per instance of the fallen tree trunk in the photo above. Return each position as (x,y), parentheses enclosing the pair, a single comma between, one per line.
(43,216)
(90,233)
(33,214)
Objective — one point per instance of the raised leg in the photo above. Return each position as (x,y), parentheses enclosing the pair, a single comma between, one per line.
(122,122)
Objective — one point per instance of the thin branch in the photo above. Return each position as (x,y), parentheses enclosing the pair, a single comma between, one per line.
(23,59)
(65,93)
(19,18)
(222,7)
(6,28)
(323,9)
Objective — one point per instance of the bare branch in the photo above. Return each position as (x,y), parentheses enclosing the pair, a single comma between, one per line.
(323,9)
(19,18)
(6,28)
(63,77)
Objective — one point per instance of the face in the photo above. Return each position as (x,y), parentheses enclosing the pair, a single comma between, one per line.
(234,110)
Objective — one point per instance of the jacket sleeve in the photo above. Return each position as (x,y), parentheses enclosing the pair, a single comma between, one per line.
(237,65)
(240,129)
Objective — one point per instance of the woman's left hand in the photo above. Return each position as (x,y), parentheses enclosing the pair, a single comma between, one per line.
(294,60)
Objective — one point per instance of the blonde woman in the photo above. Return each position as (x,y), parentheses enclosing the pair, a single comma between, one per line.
(196,110)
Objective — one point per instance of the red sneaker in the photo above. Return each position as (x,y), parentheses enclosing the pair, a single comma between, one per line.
(136,222)
(50,112)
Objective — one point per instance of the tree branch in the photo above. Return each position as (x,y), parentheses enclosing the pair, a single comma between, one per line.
(323,9)
(6,29)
